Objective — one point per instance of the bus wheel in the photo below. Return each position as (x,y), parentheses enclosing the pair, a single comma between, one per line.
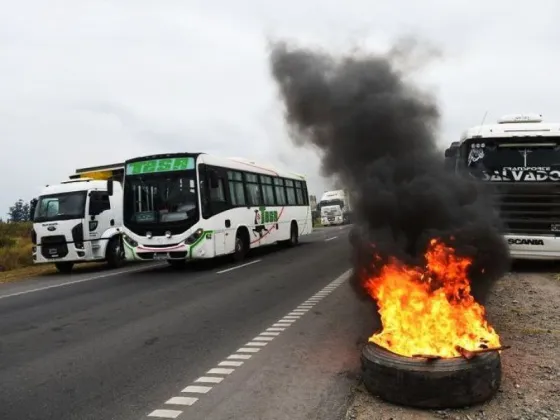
(115,252)
(241,246)
(64,267)
(294,235)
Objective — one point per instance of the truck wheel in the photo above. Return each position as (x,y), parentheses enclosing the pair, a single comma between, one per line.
(64,267)
(115,252)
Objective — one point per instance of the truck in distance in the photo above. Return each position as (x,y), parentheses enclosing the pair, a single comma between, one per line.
(188,206)
(79,220)
(520,157)
(335,208)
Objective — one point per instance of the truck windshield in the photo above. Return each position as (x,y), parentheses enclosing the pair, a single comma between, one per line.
(160,198)
(514,159)
(325,203)
(63,206)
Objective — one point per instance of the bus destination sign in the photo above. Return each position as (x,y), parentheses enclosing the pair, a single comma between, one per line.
(160,165)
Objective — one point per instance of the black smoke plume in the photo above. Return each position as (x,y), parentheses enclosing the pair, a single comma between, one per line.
(376,132)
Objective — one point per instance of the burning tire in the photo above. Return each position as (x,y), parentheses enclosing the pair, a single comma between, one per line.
(442,383)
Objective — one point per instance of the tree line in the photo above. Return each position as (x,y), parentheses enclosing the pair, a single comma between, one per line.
(22,211)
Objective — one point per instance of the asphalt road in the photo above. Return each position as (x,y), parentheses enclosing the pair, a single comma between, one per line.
(273,338)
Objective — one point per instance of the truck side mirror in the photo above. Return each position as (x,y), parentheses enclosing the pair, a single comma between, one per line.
(110,186)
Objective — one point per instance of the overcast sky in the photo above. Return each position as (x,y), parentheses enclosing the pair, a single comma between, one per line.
(94,82)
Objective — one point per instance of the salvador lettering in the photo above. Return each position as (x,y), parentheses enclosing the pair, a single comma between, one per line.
(522,174)
(519,241)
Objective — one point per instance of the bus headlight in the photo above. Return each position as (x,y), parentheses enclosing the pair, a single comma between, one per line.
(194,237)
(129,240)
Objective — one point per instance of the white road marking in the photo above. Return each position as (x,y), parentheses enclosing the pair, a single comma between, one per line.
(263,338)
(197,389)
(239,356)
(182,400)
(209,380)
(236,360)
(165,414)
(220,371)
(237,266)
(68,283)
(230,363)
(330,239)
(247,350)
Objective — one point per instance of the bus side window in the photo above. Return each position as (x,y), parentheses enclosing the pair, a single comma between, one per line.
(217,192)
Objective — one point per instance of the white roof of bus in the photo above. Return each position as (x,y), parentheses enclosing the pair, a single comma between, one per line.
(243,164)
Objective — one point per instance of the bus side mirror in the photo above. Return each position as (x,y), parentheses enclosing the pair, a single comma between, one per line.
(451,152)
(110,186)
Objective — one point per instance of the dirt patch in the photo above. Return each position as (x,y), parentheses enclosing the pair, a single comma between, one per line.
(525,310)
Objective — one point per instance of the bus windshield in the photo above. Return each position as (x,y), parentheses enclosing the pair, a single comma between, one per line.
(161,197)
(514,159)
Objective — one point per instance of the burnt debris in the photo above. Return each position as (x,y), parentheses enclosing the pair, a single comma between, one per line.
(376,131)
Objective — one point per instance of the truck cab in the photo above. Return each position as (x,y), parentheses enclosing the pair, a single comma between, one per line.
(334,208)
(79,220)
(519,158)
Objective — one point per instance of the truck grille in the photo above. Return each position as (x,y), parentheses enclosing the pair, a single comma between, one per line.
(54,246)
(529,208)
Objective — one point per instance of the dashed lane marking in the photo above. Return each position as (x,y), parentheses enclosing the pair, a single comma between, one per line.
(330,239)
(237,266)
(215,376)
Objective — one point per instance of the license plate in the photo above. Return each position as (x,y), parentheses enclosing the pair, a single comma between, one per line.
(160,256)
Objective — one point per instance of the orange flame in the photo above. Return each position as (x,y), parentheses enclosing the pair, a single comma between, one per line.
(430,311)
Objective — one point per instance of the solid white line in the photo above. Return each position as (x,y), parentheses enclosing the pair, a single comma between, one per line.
(230,363)
(165,414)
(330,239)
(237,266)
(182,400)
(209,380)
(239,357)
(101,276)
(197,389)
(220,371)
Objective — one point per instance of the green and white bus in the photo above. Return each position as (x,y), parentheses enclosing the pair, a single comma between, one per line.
(186,206)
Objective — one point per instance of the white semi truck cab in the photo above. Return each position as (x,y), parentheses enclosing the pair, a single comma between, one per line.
(520,157)
(335,208)
(79,220)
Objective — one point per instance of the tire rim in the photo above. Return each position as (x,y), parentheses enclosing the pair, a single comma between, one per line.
(238,246)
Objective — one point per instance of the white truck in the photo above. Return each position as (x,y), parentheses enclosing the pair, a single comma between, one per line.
(520,157)
(335,208)
(79,220)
